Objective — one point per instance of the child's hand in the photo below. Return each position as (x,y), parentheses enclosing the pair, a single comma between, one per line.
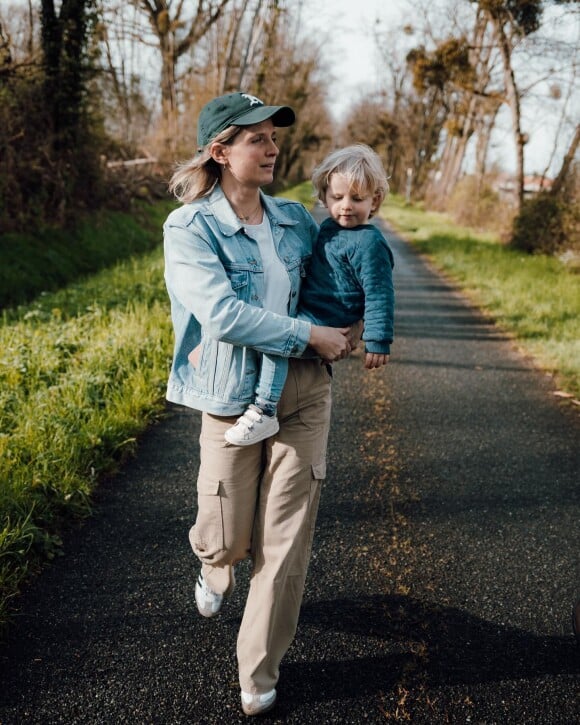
(375,360)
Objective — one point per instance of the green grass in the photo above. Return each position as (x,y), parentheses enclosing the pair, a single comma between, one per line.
(45,260)
(536,298)
(302,192)
(82,373)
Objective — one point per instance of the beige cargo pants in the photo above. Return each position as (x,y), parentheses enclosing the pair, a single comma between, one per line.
(261,501)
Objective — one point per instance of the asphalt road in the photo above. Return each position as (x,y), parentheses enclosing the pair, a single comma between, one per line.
(446,559)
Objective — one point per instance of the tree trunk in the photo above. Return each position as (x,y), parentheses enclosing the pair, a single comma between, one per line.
(5,53)
(485,124)
(454,160)
(253,36)
(567,162)
(63,44)
(513,100)
(169,111)
(467,120)
(165,27)
(269,50)
(237,19)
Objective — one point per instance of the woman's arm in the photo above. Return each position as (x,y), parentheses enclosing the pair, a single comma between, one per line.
(197,280)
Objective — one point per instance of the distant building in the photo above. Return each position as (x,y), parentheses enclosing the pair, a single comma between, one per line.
(535,183)
(505,185)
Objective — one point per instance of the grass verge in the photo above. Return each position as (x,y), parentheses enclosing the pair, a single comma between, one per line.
(46,260)
(301,192)
(535,298)
(82,372)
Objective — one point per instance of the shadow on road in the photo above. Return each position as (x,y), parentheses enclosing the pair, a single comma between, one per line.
(448,646)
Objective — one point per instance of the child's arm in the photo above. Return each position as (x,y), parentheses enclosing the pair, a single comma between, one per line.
(372,264)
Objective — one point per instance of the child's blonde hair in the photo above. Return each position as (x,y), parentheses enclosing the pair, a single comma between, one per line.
(360,165)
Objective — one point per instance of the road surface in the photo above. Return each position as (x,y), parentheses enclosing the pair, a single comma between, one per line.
(444,570)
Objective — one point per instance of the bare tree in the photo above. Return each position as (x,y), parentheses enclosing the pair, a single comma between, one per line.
(511,20)
(176,33)
(473,112)
(566,163)
(120,86)
(5,51)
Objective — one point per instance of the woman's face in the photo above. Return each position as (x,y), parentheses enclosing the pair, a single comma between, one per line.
(251,157)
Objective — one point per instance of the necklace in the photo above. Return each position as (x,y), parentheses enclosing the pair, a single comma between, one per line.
(251,215)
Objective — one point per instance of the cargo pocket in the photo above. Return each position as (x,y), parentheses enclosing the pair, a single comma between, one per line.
(207,535)
(304,541)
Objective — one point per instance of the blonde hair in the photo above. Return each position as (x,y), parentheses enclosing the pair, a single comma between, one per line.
(197,177)
(360,165)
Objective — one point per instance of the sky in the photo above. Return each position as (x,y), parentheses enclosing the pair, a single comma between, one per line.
(350,54)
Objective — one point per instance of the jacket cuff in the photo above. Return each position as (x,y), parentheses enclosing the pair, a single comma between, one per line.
(381,348)
(299,341)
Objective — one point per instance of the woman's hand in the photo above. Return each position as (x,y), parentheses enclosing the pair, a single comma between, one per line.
(331,343)
(355,333)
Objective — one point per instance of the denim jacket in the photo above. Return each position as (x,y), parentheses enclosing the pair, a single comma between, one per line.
(215,280)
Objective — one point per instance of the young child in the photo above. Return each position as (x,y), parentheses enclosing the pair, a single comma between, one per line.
(350,278)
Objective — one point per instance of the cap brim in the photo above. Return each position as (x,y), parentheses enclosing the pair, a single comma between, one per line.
(281,116)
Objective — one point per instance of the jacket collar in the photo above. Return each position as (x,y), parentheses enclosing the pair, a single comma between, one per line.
(219,207)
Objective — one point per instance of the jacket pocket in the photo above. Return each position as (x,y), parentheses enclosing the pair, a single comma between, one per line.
(226,372)
(240,282)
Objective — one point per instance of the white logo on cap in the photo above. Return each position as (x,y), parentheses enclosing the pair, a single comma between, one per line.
(253,100)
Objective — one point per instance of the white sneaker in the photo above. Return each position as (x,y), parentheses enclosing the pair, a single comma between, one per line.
(252,427)
(208,602)
(258,704)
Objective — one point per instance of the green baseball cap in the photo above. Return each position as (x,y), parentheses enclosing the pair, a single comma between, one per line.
(238,109)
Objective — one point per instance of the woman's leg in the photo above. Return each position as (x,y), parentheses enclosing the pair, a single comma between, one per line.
(227,489)
(284,526)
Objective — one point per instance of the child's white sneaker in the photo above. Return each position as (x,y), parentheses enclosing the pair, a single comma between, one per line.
(252,427)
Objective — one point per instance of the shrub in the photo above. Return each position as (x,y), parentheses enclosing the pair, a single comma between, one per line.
(540,227)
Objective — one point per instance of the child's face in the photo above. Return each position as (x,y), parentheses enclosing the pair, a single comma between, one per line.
(346,206)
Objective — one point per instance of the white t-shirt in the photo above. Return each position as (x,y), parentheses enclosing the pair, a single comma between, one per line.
(276,279)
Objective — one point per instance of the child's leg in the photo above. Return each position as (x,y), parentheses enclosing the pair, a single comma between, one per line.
(273,374)
(259,420)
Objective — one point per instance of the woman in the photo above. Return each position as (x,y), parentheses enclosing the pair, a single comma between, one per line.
(234,262)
